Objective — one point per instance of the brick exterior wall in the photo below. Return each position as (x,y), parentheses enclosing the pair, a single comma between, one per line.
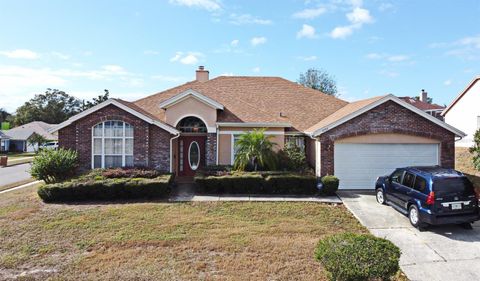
(211,149)
(151,144)
(387,118)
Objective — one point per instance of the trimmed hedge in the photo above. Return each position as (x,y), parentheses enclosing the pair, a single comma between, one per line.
(330,185)
(257,183)
(107,189)
(350,257)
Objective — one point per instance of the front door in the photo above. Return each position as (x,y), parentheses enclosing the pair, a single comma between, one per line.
(191,154)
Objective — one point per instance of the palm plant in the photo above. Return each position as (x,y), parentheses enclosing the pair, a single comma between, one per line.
(255,149)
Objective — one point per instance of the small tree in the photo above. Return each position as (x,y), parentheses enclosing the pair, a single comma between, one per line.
(319,80)
(255,150)
(296,157)
(36,140)
(54,165)
(475,150)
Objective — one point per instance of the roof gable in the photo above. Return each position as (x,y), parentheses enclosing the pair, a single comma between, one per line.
(461,94)
(355,109)
(191,94)
(124,105)
(25,131)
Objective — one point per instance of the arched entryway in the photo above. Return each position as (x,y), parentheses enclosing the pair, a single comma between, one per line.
(191,145)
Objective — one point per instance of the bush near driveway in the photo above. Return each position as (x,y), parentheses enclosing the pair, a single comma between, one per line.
(330,185)
(54,165)
(257,183)
(107,189)
(350,256)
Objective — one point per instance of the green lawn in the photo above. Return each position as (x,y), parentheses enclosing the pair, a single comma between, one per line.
(164,241)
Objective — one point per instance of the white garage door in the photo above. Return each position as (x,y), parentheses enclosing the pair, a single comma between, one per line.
(358,165)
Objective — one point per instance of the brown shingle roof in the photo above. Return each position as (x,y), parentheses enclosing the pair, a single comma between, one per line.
(343,112)
(23,132)
(255,99)
(421,104)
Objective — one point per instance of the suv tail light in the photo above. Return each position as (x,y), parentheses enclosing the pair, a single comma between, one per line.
(431,198)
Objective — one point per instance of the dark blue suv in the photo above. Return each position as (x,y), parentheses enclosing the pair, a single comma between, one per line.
(430,196)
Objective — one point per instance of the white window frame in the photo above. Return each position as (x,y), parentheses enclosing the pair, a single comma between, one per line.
(232,151)
(478,122)
(103,137)
(299,141)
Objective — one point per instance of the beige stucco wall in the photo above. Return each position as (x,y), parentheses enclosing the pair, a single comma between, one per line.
(191,107)
(224,149)
(386,138)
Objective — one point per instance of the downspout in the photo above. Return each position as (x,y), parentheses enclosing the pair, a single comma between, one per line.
(216,149)
(171,151)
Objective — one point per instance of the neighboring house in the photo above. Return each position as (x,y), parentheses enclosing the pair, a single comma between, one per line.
(421,103)
(197,123)
(4,142)
(464,112)
(19,136)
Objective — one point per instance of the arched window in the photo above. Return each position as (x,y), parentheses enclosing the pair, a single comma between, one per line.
(192,124)
(112,145)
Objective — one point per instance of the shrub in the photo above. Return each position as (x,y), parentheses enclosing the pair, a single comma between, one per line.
(330,185)
(107,189)
(350,256)
(257,183)
(475,150)
(54,165)
(292,158)
(130,173)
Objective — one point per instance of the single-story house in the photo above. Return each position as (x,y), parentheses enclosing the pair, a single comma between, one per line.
(4,142)
(19,136)
(464,112)
(197,123)
(422,103)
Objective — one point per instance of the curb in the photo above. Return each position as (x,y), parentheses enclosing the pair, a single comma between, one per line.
(20,186)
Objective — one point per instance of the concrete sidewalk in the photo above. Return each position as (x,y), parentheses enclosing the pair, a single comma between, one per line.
(440,253)
(255,198)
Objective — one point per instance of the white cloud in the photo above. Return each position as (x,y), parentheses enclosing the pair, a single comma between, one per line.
(307,31)
(248,19)
(187,58)
(389,73)
(308,58)
(61,56)
(256,69)
(310,13)
(255,41)
(447,82)
(386,7)
(357,18)
(341,32)
(374,56)
(209,5)
(20,54)
(151,52)
(398,58)
(234,43)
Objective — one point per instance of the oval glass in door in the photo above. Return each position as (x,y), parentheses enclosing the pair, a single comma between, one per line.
(194,155)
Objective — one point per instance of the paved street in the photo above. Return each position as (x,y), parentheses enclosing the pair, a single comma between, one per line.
(440,253)
(13,174)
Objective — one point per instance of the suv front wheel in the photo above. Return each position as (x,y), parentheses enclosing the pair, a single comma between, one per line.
(414,217)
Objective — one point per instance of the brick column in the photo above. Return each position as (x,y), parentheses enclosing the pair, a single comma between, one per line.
(211,149)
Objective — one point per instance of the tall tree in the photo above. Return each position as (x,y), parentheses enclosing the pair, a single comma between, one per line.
(4,115)
(54,106)
(101,98)
(319,79)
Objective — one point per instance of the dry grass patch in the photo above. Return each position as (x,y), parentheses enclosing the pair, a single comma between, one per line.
(164,241)
(463,163)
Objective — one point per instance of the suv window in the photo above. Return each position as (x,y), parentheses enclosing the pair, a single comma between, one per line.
(445,186)
(420,184)
(408,179)
(397,176)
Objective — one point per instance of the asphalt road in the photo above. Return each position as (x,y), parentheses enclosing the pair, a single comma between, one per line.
(13,174)
(440,253)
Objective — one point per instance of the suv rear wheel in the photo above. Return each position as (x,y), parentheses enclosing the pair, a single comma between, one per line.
(380,196)
(414,217)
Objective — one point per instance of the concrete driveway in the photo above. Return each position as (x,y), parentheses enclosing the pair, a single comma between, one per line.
(440,253)
(13,174)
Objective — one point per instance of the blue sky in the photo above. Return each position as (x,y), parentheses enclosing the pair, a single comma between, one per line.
(136,48)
